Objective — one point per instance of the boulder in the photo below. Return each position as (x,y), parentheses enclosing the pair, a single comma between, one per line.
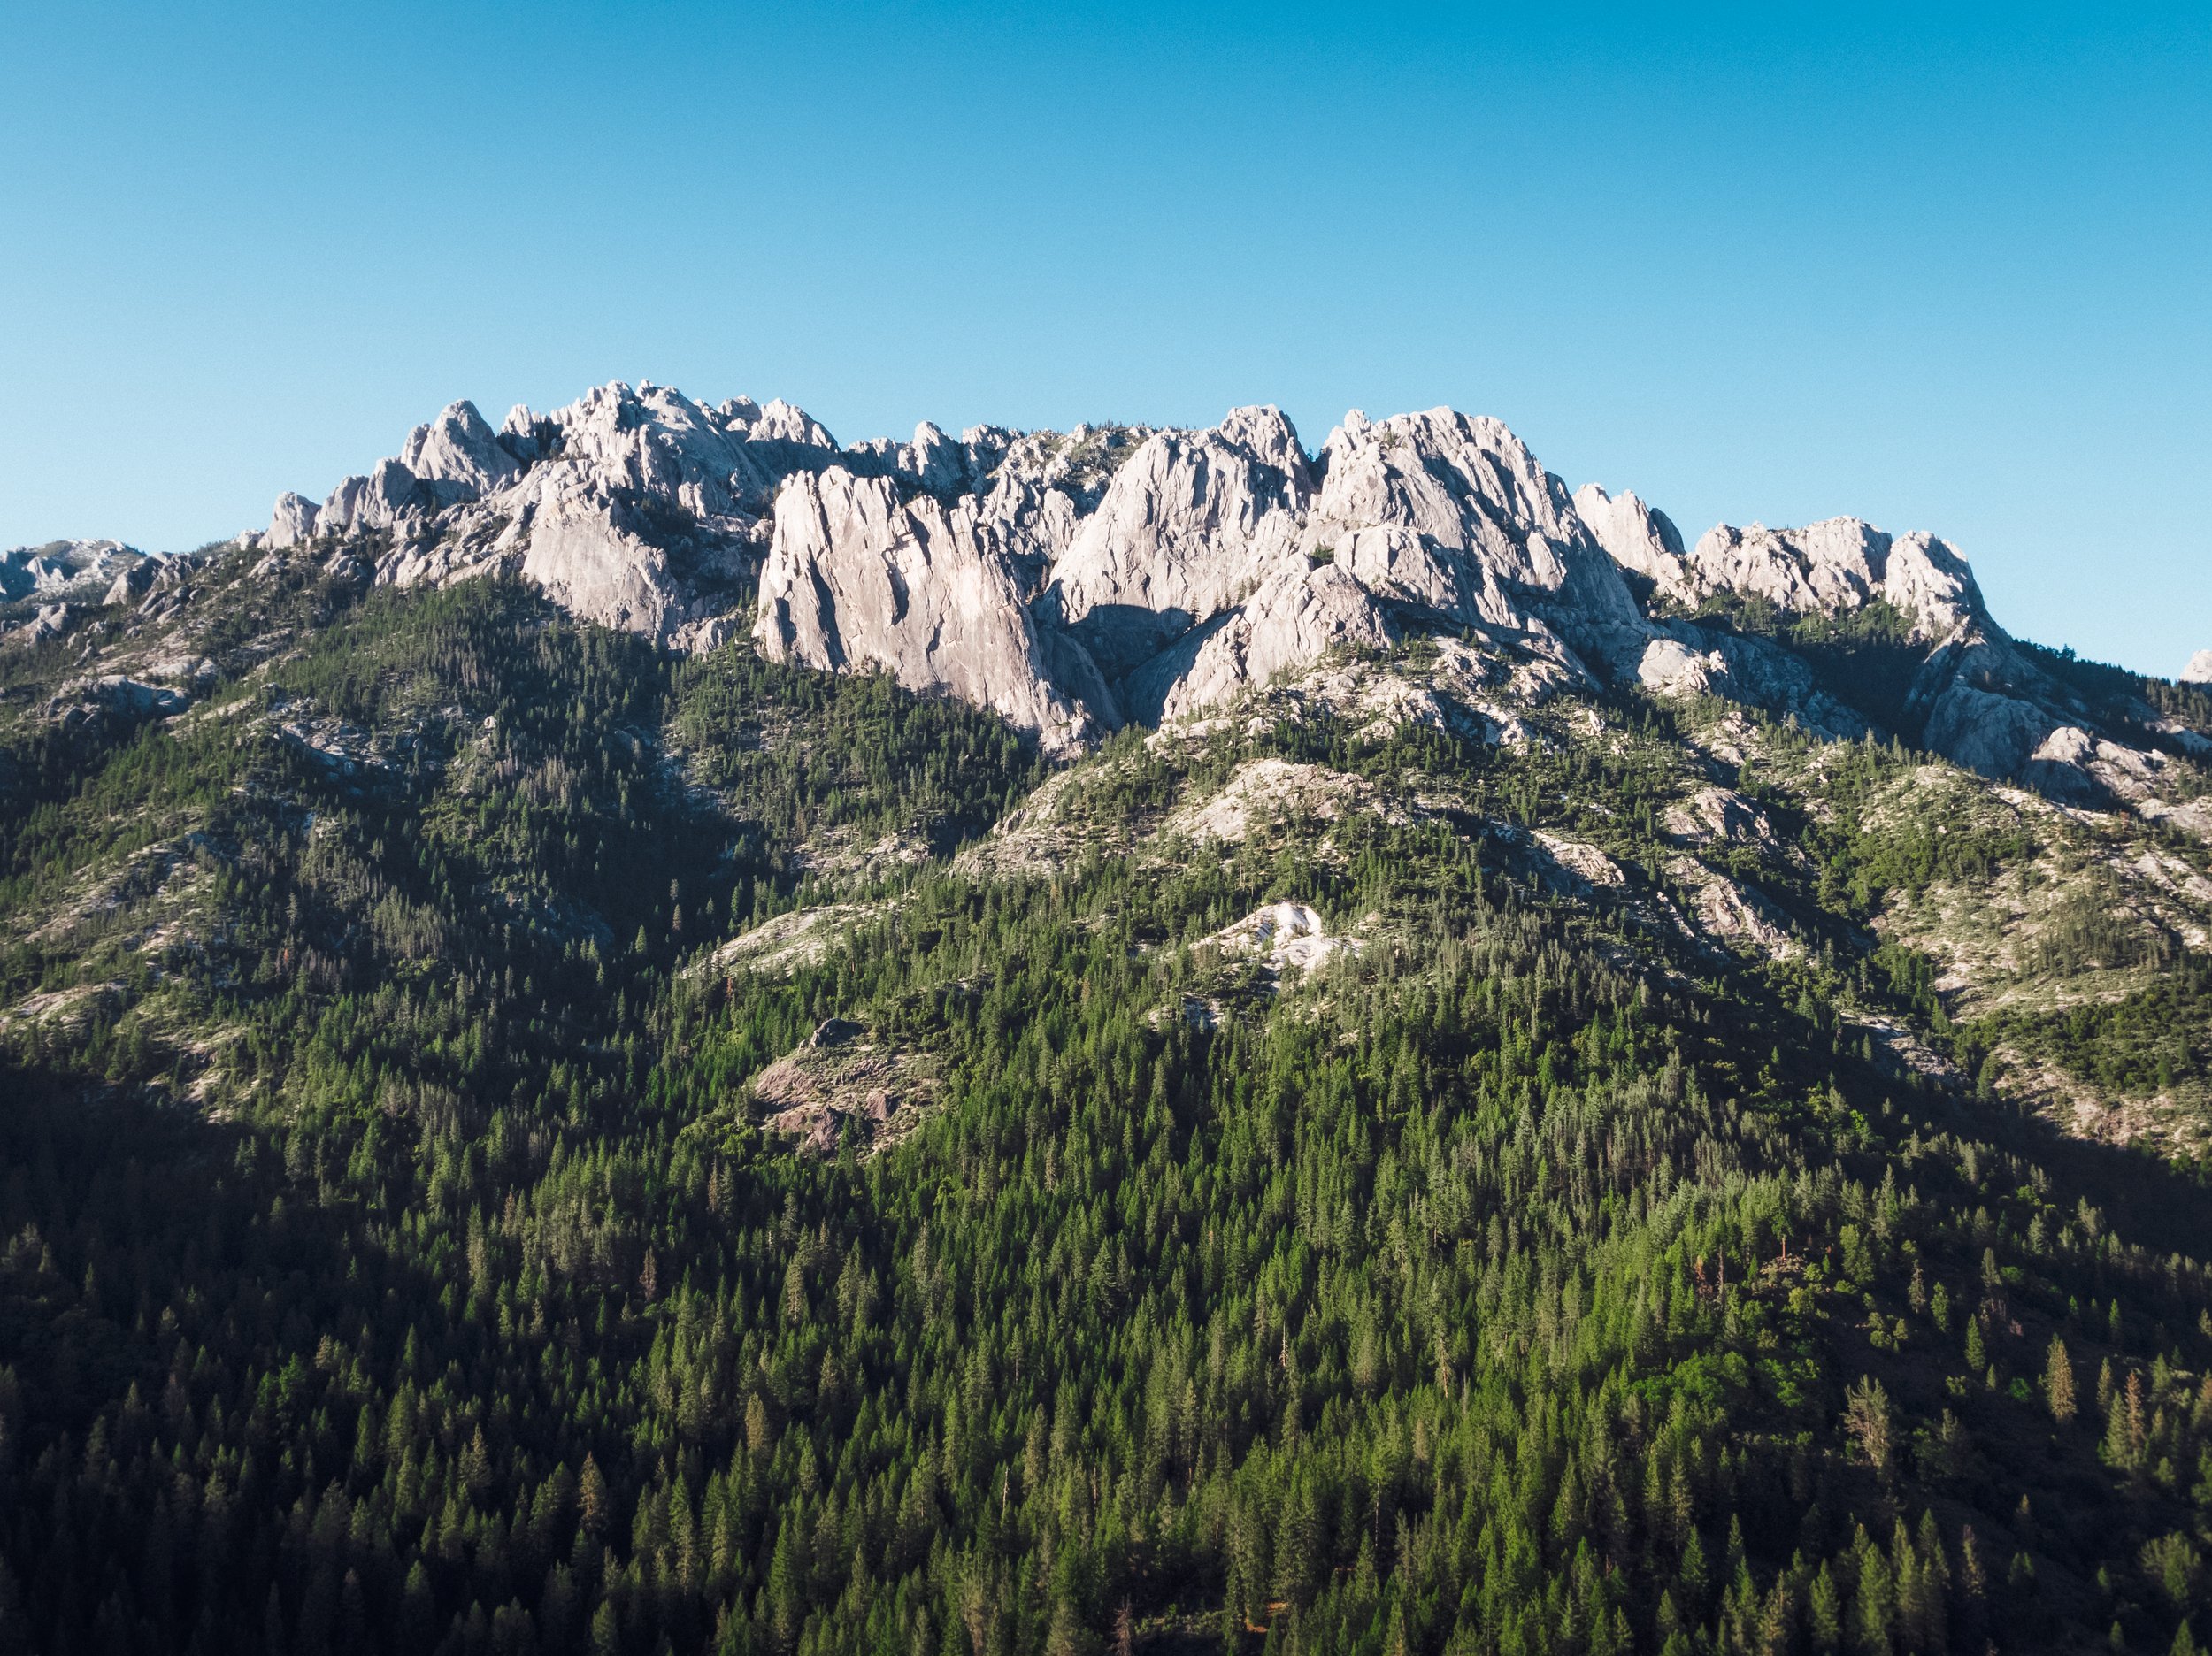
(1284,937)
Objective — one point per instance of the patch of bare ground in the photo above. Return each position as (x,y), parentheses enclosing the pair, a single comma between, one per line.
(1439,684)
(66,1008)
(2168,1121)
(839,1079)
(1050,830)
(791,942)
(849,855)
(1261,792)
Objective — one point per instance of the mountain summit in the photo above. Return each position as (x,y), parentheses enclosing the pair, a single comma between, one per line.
(1075,583)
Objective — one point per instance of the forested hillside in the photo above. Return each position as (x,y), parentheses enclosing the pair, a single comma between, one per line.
(1692,1185)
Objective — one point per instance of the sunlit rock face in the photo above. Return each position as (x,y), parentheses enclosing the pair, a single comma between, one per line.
(1073,582)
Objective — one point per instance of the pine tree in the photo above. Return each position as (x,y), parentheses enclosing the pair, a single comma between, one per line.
(606,1631)
(1825,1611)
(2058,1383)
(1867,1418)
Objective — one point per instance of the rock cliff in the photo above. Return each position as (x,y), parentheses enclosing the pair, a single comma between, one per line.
(1072,582)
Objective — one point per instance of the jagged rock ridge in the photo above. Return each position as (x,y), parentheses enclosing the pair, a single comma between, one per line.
(1075,583)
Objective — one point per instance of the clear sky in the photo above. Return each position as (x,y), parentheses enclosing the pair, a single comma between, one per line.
(1947,270)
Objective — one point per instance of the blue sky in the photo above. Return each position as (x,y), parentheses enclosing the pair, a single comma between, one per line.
(1947,270)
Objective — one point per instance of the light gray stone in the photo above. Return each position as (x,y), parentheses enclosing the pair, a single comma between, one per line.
(856,580)
(1193,521)
(1638,538)
(291,521)
(1297,615)
(1066,581)
(1468,526)
(1828,568)
(78,570)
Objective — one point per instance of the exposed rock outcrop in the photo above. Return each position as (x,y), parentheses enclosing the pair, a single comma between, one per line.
(1071,582)
(1640,539)
(1417,523)
(1191,523)
(1452,518)
(839,1081)
(638,509)
(1977,698)
(1284,937)
(1262,790)
(77,570)
(1829,568)
(1299,615)
(113,697)
(1833,567)
(856,579)
(1687,660)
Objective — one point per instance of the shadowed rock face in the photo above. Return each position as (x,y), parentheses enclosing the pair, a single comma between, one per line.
(1073,582)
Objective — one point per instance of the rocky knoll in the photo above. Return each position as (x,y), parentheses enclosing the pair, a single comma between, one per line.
(1977,696)
(72,570)
(1076,582)
(1829,568)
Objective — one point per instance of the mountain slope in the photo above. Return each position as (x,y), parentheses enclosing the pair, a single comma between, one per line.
(520,1138)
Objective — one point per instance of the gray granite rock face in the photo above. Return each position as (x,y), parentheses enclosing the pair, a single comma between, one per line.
(857,579)
(1296,616)
(1977,697)
(1071,581)
(1640,539)
(1829,568)
(1451,517)
(78,571)
(1190,524)
(1687,660)
(1211,561)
